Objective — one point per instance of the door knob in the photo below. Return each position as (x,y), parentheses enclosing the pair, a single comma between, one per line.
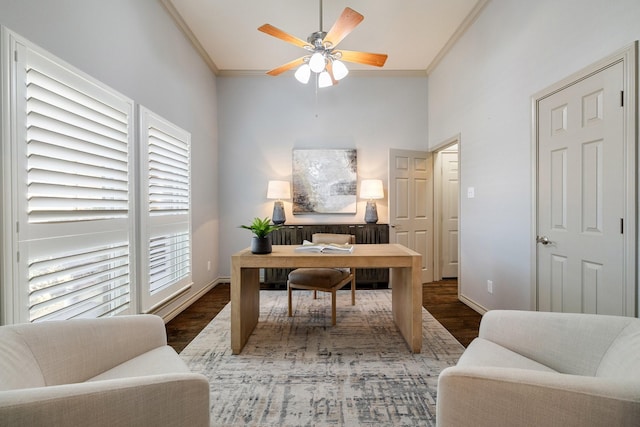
(544,240)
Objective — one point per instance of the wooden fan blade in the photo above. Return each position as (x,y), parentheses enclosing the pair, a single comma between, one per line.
(330,71)
(279,34)
(348,20)
(285,67)
(375,59)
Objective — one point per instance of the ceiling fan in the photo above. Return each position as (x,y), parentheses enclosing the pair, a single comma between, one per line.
(323,57)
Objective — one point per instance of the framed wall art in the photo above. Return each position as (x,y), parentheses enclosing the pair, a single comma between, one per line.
(324,181)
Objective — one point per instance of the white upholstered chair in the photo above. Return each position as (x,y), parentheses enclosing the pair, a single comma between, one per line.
(531,368)
(97,372)
(324,279)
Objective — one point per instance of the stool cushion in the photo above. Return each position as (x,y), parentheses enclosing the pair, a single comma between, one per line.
(318,277)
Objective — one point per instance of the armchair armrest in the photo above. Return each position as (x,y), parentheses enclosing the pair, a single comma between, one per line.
(474,396)
(141,401)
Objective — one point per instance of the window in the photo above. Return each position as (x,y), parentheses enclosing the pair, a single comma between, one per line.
(69,236)
(70,150)
(165,226)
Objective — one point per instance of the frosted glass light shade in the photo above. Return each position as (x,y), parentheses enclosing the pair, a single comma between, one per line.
(317,62)
(371,189)
(324,80)
(340,70)
(278,190)
(303,73)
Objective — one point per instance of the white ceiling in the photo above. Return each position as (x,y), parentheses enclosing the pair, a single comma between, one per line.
(412,32)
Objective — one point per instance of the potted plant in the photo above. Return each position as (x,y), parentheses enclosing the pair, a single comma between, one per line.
(261,228)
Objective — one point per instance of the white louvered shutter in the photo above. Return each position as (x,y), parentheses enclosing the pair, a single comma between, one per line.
(166,224)
(73,150)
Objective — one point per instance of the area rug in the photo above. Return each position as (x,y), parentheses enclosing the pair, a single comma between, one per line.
(301,371)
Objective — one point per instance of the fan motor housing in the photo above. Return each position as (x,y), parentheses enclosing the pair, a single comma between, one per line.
(315,39)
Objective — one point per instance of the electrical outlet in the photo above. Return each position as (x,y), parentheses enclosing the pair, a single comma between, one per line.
(208,265)
(490,286)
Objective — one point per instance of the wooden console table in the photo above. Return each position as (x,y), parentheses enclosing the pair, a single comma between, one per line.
(294,234)
(406,294)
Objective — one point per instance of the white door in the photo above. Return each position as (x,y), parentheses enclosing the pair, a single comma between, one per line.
(411,204)
(582,196)
(449,195)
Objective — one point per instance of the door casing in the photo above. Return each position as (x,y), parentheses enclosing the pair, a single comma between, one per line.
(628,56)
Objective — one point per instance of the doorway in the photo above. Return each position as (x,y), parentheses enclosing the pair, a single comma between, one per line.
(446,200)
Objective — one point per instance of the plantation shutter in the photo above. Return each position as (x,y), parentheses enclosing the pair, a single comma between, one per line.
(73,152)
(166,226)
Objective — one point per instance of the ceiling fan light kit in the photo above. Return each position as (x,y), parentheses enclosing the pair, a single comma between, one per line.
(324,60)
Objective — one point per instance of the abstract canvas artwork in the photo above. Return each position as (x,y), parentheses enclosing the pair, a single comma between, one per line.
(324,181)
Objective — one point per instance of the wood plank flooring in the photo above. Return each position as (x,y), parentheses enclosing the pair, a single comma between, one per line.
(439,298)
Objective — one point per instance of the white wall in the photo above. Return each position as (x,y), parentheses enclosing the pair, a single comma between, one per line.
(263,118)
(135,47)
(482,90)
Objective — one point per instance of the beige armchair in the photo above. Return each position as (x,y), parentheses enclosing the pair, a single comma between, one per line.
(545,369)
(324,279)
(97,372)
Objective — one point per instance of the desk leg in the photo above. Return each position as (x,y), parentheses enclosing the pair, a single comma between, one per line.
(245,305)
(406,302)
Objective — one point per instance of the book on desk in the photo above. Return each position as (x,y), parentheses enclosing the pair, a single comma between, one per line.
(308,246)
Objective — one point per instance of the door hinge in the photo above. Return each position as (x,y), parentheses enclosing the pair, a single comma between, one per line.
(622,98)
(621,225)
(18,257)
(15,55)
(17,227)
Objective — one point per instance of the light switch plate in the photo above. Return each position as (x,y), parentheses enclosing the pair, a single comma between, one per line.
(471,192)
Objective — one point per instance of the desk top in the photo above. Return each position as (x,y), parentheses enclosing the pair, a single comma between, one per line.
(363,256)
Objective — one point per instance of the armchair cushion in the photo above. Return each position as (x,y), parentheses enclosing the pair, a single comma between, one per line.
(485,353)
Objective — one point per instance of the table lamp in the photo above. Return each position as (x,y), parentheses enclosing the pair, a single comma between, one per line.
(371,189)
(278,190)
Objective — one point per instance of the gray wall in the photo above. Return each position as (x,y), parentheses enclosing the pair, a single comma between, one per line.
(135,47)
(482,90)
(263,118)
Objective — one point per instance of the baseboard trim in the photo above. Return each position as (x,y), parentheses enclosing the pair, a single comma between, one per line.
(472,304)
(186,303)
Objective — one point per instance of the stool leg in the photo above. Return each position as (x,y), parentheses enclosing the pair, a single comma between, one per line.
(315,294)
(333,307)
(289,297)
(353,290)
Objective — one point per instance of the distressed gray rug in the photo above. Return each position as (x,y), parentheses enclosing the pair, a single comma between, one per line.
(301,371)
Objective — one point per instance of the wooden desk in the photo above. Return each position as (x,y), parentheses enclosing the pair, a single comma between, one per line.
(405,278)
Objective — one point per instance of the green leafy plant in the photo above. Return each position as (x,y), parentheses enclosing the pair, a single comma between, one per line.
(261,227)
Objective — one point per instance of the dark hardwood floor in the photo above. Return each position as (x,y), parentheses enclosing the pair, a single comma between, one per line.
(439,298)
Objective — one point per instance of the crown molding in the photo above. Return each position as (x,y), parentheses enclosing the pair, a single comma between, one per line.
(187,32)
(464,26)
(354,73)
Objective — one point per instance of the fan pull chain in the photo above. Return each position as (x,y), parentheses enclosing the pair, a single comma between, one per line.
(316,89)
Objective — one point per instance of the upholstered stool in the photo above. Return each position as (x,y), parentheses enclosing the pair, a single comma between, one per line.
(324,279)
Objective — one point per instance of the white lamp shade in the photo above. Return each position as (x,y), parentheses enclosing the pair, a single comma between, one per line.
(279,190)
(340,70)
(324,80)
(317,62)
(371,189)
(303,73)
